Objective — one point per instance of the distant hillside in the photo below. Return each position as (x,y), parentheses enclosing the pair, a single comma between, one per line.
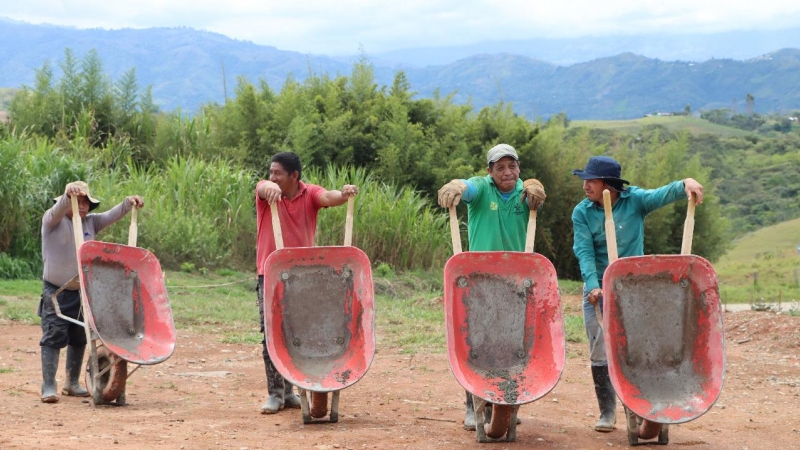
(187,68)
(740,45)
(620,87)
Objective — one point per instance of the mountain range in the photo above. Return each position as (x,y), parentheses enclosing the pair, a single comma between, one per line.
(188,67)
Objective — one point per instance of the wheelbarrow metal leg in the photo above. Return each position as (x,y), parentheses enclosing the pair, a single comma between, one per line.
(334,414)
(480,418)
(304,408)
(633,427)
(663,437)
(511,436)
(93,369)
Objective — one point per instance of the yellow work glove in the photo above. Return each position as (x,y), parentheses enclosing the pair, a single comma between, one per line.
(533,193)
(450,193)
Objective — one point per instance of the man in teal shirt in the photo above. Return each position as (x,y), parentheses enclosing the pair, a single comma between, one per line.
(497,219)
(630,206)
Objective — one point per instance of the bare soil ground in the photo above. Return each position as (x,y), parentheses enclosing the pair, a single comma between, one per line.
(208,394)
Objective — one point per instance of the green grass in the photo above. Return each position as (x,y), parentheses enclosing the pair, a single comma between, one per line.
(222,303)
(19,300)
(573,325)
(694,125)
(29,289)
(412,324)
(772,254)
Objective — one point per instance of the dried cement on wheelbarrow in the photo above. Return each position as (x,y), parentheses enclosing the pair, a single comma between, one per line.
(497,335)
(659,318)
(319,307)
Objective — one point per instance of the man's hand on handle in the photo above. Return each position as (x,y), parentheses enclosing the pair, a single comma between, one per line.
(135,200)
(269,191)
(75,188)
(691,186)
(349,190)
(533,193)
(595,295)
(450,193)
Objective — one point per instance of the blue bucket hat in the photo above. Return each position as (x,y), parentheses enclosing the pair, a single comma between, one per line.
(603,168)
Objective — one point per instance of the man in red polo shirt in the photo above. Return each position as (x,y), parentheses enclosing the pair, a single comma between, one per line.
(298,205)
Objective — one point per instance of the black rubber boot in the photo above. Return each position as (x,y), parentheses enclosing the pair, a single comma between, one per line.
(606,399)
(469,416)
(290,399)
(49,369)
(74,362)
(275,386)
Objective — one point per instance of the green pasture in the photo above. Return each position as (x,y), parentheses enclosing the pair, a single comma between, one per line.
(694,125)
(763,266)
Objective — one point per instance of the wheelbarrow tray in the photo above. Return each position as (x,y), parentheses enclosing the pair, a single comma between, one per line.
(127,301)
(664,335)
(505,331)
(319,315)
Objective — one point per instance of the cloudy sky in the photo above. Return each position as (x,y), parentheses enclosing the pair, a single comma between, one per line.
(342,26)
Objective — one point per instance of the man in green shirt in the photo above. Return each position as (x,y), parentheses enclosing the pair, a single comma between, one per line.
(497,219)
(630,206)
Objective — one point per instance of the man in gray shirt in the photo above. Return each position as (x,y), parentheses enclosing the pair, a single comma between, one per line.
(60,267)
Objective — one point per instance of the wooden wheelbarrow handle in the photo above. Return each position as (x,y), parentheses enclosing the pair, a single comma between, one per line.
(77,225)
(531,233)
(611,232)
(133,231)
(611,244)
(348,222)
(688,227)
(455,235)
(276,226)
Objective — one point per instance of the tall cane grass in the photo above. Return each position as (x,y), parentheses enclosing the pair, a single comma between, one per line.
(195,211)
(393,225)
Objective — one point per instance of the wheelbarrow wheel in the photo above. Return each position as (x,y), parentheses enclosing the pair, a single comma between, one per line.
(319,404)
(649,429)
(498,424)
(111,384)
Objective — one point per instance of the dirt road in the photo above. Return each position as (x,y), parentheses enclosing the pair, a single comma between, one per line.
(208,396)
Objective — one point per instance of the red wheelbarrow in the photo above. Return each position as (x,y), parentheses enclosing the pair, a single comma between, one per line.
(664,335)
(505,331)
(126,311)
(320,323)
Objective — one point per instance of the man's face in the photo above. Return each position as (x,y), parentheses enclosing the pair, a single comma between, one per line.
(83,207)
(594,189)
(279,176)
(505,173)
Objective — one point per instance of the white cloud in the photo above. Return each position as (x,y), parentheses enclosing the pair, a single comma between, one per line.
(324,26)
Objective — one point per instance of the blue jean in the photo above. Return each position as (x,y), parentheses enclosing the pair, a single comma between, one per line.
(597,344)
